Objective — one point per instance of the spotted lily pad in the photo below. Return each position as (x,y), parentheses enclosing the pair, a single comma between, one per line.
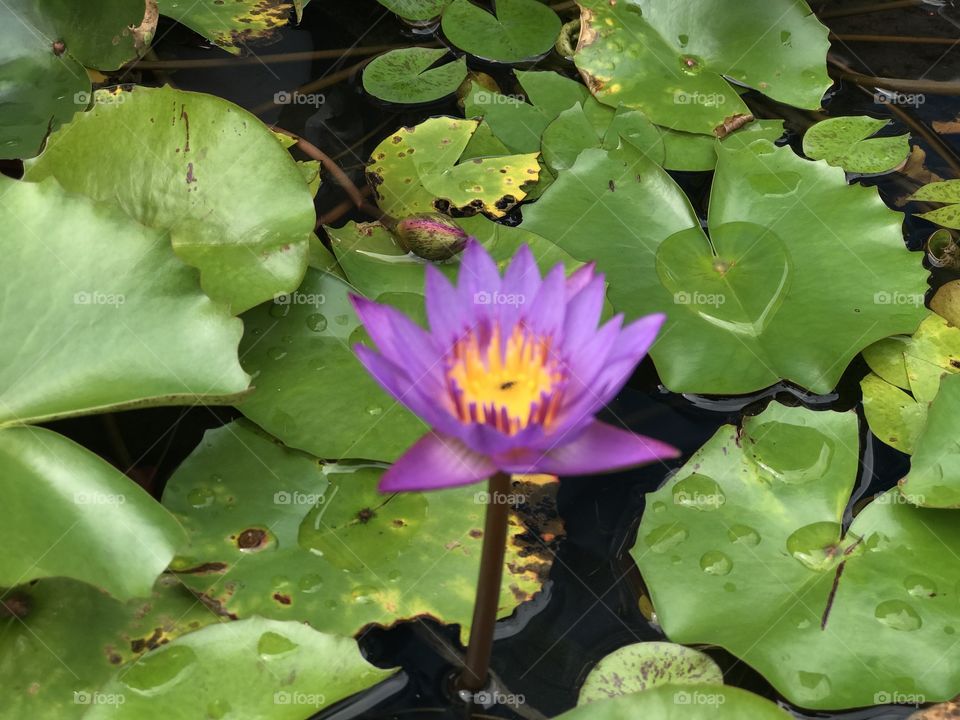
(416,170)
(755,515)
(681,702)
(234,24)
(67,639)
(233,200)
(416,10)
(256,668)
(44,47)
(277,533)
(673,65)
(404,76)
(646,665)
(843,142)
(793,253)
(946,191)
(518,30)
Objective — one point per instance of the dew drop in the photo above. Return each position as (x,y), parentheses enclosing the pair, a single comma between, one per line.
(743,535)
(698,492)
(665,537)
(271,645)
(310,583)
(816,685)
(920,586)
(785,37)
(729,587)
(683,39)
(316,322)
(364,594)
(716,563)
(818,546)
(160,669)
(374,410)
(898,615)
(200,497)
(658,507)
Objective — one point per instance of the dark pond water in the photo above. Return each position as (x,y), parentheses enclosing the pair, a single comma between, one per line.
(590,604)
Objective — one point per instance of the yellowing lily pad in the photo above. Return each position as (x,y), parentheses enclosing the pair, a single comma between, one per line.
(231,24)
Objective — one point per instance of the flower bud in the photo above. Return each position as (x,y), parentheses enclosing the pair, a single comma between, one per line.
(431,236)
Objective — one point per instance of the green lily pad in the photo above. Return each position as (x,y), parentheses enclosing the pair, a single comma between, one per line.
(932,480)
(756,514)
(574,131)
(690,152)
(277,533)
(68,639)
(947,191)
(646,665)
(403,76)
(893,415)
(415,170)
(416,10)
(233,200)
(44,47)
(232,25)
(261,669)
(70,514)
(673,65)
(842,142)
(311,391)
(682,702)
(794,253)
(519,30)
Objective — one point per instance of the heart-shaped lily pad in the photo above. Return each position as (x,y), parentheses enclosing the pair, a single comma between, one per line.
(256,668)
(682,702)
(829,262)
(935,466)
(63,640)
(519,30)
(276,533)
(233,200)
(843,142)
(404,76)
(673,65)
(946,191)
(232,25)
(416,170)
(836,616)
(646,665)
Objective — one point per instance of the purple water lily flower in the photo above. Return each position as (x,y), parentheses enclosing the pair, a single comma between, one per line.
(510,374)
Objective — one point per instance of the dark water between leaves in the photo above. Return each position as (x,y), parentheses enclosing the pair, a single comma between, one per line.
(591,604)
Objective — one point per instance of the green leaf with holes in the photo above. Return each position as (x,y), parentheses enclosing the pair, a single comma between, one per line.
(844,142)
(68,639)
(235,25)
(278,533)
(932,480)
(44,47)
(947,191)
(673,65)
(682,702)
(405,75)
(646,665)
(756,515)
(793,253)
(518,30)
(418,170)
(256,668)
(233,201)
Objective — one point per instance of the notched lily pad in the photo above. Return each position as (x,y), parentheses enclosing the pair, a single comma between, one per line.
(341,555)
(681,702)
(946,191)
(934,477)
(646,665)
(843,142)
(518,30)
(406,76)
(416,170)
(231,24)
(756,515)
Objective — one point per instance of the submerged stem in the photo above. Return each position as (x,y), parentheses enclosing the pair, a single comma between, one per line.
(477,662)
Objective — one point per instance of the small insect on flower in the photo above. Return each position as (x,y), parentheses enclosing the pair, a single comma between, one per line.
(510,374)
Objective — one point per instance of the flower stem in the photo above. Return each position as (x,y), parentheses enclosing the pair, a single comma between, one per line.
(477,662)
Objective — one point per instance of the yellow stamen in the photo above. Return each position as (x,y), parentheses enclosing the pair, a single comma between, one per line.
(507,385)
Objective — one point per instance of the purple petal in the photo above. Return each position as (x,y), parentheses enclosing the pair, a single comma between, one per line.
(479,279)
(544,315)
(580,278)
(435,462)
(630,349)
(398,338)
(522,277)
(583,316)
(445,312)
(599,448)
